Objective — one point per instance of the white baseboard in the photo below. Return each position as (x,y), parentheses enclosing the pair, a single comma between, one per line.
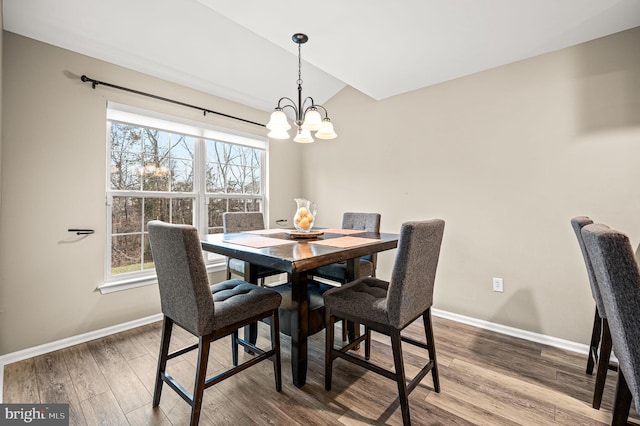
(86,337)
(69,341)
(515,332)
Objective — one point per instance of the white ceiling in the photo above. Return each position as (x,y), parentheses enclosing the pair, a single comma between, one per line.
(242,50)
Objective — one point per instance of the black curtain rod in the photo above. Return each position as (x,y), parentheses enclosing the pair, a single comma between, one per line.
(95,83)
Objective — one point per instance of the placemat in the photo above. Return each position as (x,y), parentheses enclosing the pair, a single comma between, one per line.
(343,231)
(345,242)
(258,242)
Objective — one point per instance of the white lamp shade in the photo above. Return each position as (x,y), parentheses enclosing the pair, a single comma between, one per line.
(278,121)
(278,134)
(303,136)
(312,120)
(326,131)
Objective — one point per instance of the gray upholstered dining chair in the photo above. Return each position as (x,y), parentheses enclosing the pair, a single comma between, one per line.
(369,222)
(337,272)
(209,312)
(242,222)
(600,345)
(618,277)
(389,307)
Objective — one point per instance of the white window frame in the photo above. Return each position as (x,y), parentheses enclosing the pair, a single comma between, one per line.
(200,132)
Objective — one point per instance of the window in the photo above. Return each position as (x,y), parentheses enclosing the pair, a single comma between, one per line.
(173,170)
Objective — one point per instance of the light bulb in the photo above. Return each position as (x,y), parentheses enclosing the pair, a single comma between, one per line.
(312,120)
(278,121)
(326,131)
(303,136)
(278,134)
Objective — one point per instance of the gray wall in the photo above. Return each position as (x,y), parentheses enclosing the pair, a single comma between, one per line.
(53,178)
(506,157)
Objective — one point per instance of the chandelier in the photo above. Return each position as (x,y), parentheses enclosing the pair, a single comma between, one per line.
(307,117)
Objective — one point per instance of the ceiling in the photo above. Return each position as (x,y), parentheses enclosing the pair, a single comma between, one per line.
(242,50)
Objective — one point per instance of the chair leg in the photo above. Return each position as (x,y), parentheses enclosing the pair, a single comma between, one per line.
(275,344)
(234,348)
(344,330)
(428,329)
(328,360)
(603,364)
(201,376)
(622,402)
(367,343)
(228,270)
(595,342)
(167,327)
(400,376)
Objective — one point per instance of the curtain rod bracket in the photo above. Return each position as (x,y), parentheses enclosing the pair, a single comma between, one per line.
(94,83)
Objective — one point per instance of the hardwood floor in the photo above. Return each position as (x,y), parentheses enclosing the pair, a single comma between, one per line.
(486,378)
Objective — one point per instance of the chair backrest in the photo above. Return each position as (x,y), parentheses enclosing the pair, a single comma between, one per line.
(411,287)
(578,223)
(618,277)
(242,221)
(365,221)
(185,294)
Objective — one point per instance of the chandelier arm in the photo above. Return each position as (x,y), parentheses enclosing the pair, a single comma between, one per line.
(302,106)
(293,107)
(286,99)
(326,113)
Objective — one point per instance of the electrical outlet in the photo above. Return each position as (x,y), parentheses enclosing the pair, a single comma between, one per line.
(498,285)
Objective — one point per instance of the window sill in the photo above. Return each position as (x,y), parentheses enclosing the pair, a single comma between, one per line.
(128,284)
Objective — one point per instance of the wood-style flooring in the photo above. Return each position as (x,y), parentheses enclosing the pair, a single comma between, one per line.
(486,379)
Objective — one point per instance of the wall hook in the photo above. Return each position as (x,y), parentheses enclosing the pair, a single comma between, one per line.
(82,231)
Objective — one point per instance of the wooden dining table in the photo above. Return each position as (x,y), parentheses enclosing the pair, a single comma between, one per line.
(280,249)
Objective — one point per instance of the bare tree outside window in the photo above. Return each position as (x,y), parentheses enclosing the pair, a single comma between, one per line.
(154,175)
